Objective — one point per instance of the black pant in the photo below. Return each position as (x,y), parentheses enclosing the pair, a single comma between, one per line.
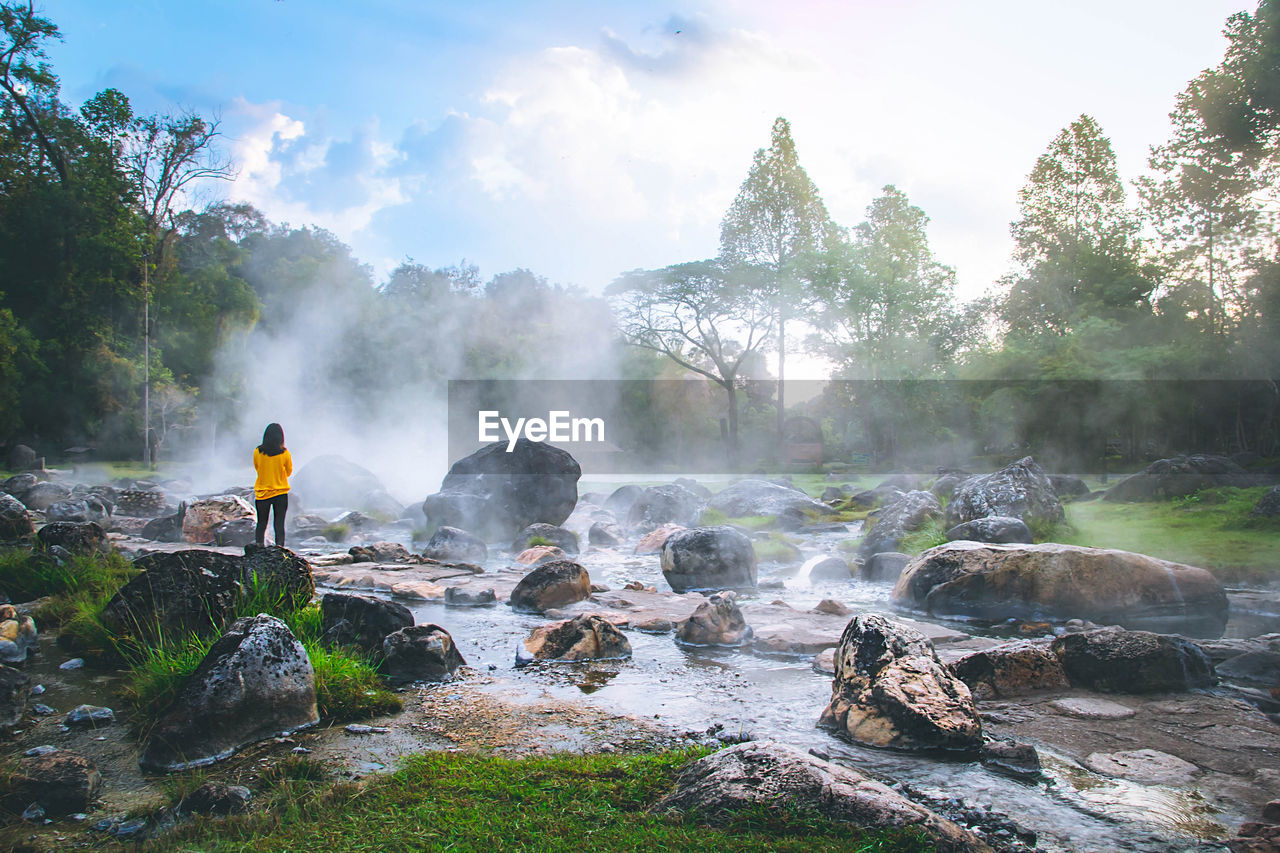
(281,505)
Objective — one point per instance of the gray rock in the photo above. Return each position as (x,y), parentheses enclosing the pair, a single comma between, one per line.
(1011,669)
(420,653)
(236,533)
(15,521)
(1148,766)
(1268,505)
(69,509)
(19,484)
(605,534)
(21,457)
(830,568)
(792,508)
(709,558)
(41,495)
(216,798)
(1114,660)
(332,481)
(361,620)
(78,538)
(904,515)
(61,781)
(565,540)
(1068,487)
(995,528)
(1019,490)
(458,597)
(1019,760)
(551,585)
(90,716)
(1180,476)
(620,501)
(449,544)
(659,505)
(15,687)
(382,552)
(885,566)
(589,636)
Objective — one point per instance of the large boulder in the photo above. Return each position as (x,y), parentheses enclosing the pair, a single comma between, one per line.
(87,508)
(996,528)
(891,690)
(165,528)
(550,534)
(451,545)
(332,481)
(361,620)
(20,458)
(19,484)
(203,516)
(61,781)
(909,512)
(77,537)
(1062,582)
(1011,669)
(605,534)
(791,507)
(586,637)
(884,567)
(255,682)
(15,521)
(620,501)
(551,585)
(280,570)
(1019,490)
(41,495)
(1114,660)
(1268,506)
(496,493)
(1180,476)
(235,534)
(652,542)
(420,653)
(660,505)
(1068,487)
(765,776)
(709,558)
(15,687)
(718,621)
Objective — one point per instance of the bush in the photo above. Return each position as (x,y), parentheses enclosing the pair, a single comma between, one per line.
(336,532)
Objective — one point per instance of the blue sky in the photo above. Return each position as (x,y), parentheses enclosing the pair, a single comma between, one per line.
(583,139)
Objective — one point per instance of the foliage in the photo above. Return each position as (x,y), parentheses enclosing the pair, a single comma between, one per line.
(929,535)
(28,575)
(712,517)
(776,548)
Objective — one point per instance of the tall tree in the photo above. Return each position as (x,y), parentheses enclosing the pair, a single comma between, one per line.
(777,217)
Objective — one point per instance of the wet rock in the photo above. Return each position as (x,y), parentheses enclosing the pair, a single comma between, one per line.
(693,486)
(996,528)
(904,515)
(15,687)
(886,566)
(1260,667)
(15,521)
(69,510)
(539,554)
(255,682)
(61,781)
(78,538)
(1061,582)
(495,493)
(659,505)
(1019,490)
(216,799)
(237,533)
(279,569)
(656,625)
(420,653)
(718,621)
(652,542)
(361,620)
(831,607)
(565,540)
(20,458)
(1271,812)
(165,528)
(551,585)
(830,568)
(824,662)
(1011,669)
(1117,661)
(379,504)
(764,775)
(1268,506)
(891,690)
(143,503)
(1068,487)
(791,507)
(944,487)
(89,716)
(333,481)
(1019,760)
(382,552)
(43,494)
(586,637)
(449,544)
(457,597)
(605,534)
(1256,838)
(203,516)
(1179,476)
(709,558)
(19,484)
(620,501)
(18,636)
(1148,766)
(417,590)
(1092,709)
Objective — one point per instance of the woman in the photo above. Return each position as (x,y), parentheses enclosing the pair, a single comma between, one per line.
(273,463)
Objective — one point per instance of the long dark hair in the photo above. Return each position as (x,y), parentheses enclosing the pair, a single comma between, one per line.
(272,440)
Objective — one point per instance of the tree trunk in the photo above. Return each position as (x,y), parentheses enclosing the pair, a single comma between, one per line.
(782,362)
(732,393)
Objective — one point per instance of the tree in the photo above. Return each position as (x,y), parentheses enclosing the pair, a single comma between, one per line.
(26,79)
(777,216)
(1238,102)
(701,318)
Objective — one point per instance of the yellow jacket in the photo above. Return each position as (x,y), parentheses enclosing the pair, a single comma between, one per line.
(273,474)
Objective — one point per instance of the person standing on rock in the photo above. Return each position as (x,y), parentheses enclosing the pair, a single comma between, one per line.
(273,463)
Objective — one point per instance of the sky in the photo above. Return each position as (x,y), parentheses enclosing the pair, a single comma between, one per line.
(583,139)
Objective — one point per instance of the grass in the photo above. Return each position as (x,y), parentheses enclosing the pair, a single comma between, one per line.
(27,575)
(712,517)
(474,802)
(336,532)
(539,541)
(931,534)
(777,548)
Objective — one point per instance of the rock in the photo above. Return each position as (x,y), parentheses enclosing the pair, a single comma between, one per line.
(255,682)
(718,621)
(660,505)
(586,637)
(62,781)
(281,570)
(21,458)
(836,494)
(1256,838)
(565,540)
(457,597)
(891,690)
(216,799)
(1061,582)
(1092,709)
(449,544)
(69,509)
(619,503)
(656,625)
(361,620)
(824,662)
(885,566)
(694,486)
(420,653)
(354,521)
(78,538)
(1020,490)
(996,528)
(791,507)
(553,584)
(382,552)
(1268,506)
(605,534)
(203,516)
(237,533)
(15,521)
(1148,766)
(143,503)
(709,558)
(19,484)
(761,776)
(495,493)
(1011,669)
(1114,660)
(944,487)
(18,635)
(15,687)
(165,528)
(381,505)
(828,568)
(43,494)
(652,542)
(1271,812)
(831,607)
(539,554)
(1180,476)
(1019,760)
(904,515)
(1067,487)
(1258,667)
(89,716)
(333,481)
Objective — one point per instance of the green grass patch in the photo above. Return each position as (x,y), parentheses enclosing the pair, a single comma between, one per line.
(539,541)
(348,686)
(470,802)
(336,532)
(777,548)
(931,534)
(27,575)
(1213,530)
(712,517)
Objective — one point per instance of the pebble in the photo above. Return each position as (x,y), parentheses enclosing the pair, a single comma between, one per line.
(362,729)
(300,750)
(89,715)
(33,813)
(74,663)
(130,828)
(44,749)
(37,690)
(42,710)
